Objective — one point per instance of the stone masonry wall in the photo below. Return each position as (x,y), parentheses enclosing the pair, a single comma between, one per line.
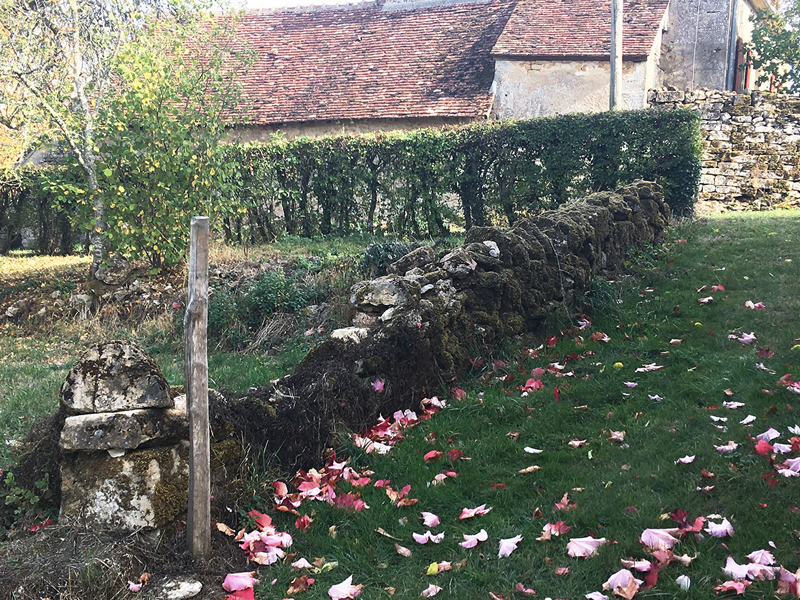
(751,147)
(416,328)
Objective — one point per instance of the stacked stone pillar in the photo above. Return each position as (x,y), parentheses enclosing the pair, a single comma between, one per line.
(125,460)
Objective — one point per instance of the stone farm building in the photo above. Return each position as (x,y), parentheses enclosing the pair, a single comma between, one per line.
(399,64)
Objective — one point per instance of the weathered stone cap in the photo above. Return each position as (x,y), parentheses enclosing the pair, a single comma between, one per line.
(112,377)
(125,430)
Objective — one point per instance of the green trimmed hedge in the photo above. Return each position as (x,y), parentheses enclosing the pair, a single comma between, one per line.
(411,183)
(420,182)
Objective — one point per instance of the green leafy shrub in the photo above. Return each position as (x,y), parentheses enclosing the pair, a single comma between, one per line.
(378,257)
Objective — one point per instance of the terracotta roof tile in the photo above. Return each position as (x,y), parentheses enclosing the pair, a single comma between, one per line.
(561,29)
(362,62)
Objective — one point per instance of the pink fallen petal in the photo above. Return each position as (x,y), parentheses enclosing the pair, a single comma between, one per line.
(403,551)
(630,384)
(470,541)
(643,566)
(769,435)
(429,519)
(735,570)
(732,405)
(747,420)
(782,448)
(727,448)
(706,300)
(468,513)
(427,537)
(585,547)
(648,368)
(686,459)
(378,385)
(431,590)
(596,596)
(760,572)
(524,590)
(793,464)
(345,590)
(134,587)
(508,545)
(719,530)
(239,581)
(659,539)
(622,580)
(301,564)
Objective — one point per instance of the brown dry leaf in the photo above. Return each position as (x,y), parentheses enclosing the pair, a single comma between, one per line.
(531,469)
(319,562)
(629,591)
(514,435)
(625,467)
(707,474)
(225,529)
(300,584)
(728,392)
(537,513)
(385,533)
(389,590)
(332,531)
(144,578)
(459,564)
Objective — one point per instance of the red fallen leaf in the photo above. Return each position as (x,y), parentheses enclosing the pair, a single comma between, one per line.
(303,523)
(247,594)
(794,509)
(432,455)
(562,570)
(763,448)
(551,341)
(795,442)
(498,486)
(630,509)
(454,454)
(764,353)
(651,577)
(494,596)
(565,504)
(262,521)
(280,488)
(557,394)
(350,501)
(41,525)
(707,474)
(732,586)
(598,336)
(772,409)
(762,505)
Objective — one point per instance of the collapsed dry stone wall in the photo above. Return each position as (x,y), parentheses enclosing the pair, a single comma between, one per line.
(416,328)
(751,147)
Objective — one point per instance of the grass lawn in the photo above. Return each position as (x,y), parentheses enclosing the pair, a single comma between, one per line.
(610,439)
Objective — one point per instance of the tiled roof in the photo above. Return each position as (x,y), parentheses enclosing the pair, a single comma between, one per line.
(367,62)
(562,29)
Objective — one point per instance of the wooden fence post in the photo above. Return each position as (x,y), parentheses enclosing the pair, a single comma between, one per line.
(198,522)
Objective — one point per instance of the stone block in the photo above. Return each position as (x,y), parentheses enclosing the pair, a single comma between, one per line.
(142,489)
(124,430)
(114,376)
(421,257)
(669,96)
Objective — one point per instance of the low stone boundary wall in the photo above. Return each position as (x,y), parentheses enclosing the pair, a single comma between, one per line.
(751,147)
(416,328)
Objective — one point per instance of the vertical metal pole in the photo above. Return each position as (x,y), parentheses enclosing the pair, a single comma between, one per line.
(615,97)
(198,521)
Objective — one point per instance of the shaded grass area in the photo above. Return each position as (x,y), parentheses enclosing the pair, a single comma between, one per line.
(619,489)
